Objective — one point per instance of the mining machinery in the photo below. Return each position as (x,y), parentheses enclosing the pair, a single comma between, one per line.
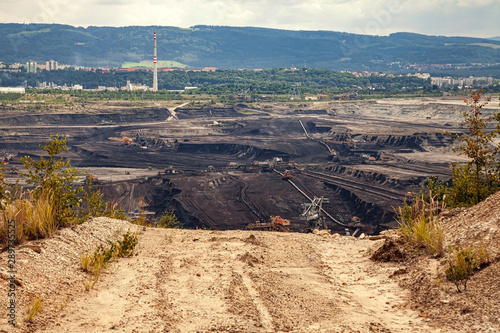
(313,213)
(277,224)
(286,175)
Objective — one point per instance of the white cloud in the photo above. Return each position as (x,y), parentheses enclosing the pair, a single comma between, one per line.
(445,17)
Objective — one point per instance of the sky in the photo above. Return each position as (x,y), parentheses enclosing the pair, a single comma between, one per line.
(475,18)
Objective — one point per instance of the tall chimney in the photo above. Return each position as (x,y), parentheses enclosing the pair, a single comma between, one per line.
(155,69)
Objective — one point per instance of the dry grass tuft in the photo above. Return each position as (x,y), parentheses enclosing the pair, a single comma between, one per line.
(34,308)
(33,218)
(420,225)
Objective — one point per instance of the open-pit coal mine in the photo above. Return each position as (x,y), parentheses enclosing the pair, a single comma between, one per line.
(223,166)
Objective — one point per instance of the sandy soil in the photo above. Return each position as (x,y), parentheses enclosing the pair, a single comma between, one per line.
(235,281)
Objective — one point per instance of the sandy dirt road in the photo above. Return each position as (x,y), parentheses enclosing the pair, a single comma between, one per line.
(239,281)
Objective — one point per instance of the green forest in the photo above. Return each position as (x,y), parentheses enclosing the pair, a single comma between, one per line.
(273,81)
(240,47)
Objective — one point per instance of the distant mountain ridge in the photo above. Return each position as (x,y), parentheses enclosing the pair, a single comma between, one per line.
(236,47)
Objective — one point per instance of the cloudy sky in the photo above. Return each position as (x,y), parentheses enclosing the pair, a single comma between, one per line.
(478,18)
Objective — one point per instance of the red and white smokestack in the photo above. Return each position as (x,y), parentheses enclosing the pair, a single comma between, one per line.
(155,69)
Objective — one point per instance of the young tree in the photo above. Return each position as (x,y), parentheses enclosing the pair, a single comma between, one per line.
(479,174)
(56,178)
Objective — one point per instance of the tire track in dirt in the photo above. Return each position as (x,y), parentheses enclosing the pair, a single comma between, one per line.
(240,281)
(265,317)
(372,299)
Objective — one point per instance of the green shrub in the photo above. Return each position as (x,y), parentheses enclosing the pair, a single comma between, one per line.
(463,263)
(95,206)
(479,178)
(468,188)
(420,226)
(55,201)
(98,261)
(55,176)
(125,247)
(169,220)
(39,212)
(440,191)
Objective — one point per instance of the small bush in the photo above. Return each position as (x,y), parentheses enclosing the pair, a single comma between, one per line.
(125,247)
(98,262)
(95,206)
(55,176)
(440,191)
(169,220)
(419,224)
(463,263)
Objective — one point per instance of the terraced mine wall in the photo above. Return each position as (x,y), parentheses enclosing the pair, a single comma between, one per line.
(85,118)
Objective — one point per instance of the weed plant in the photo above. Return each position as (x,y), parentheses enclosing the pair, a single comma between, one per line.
(463,263)
(420,226)
(34,309)
(97,262)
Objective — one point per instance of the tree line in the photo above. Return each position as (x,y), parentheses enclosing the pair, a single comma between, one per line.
(272,81)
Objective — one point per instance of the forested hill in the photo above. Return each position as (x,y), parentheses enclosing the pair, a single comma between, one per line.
(233,47)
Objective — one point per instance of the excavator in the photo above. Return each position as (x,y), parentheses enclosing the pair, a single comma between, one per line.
(125,140)
(286,175)
(277,224)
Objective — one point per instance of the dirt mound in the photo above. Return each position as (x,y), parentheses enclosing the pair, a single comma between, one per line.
(437,299)
(391,250)
(50,269)
(478,224)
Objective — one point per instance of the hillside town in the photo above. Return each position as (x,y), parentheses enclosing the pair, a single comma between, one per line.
(51,65)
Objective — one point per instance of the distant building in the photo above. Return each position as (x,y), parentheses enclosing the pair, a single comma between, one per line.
(311,98)
(461,83)
(51,65)
(133,87)
(209,69)
(19,90)
(31,66)
(45,85)
(104,88)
